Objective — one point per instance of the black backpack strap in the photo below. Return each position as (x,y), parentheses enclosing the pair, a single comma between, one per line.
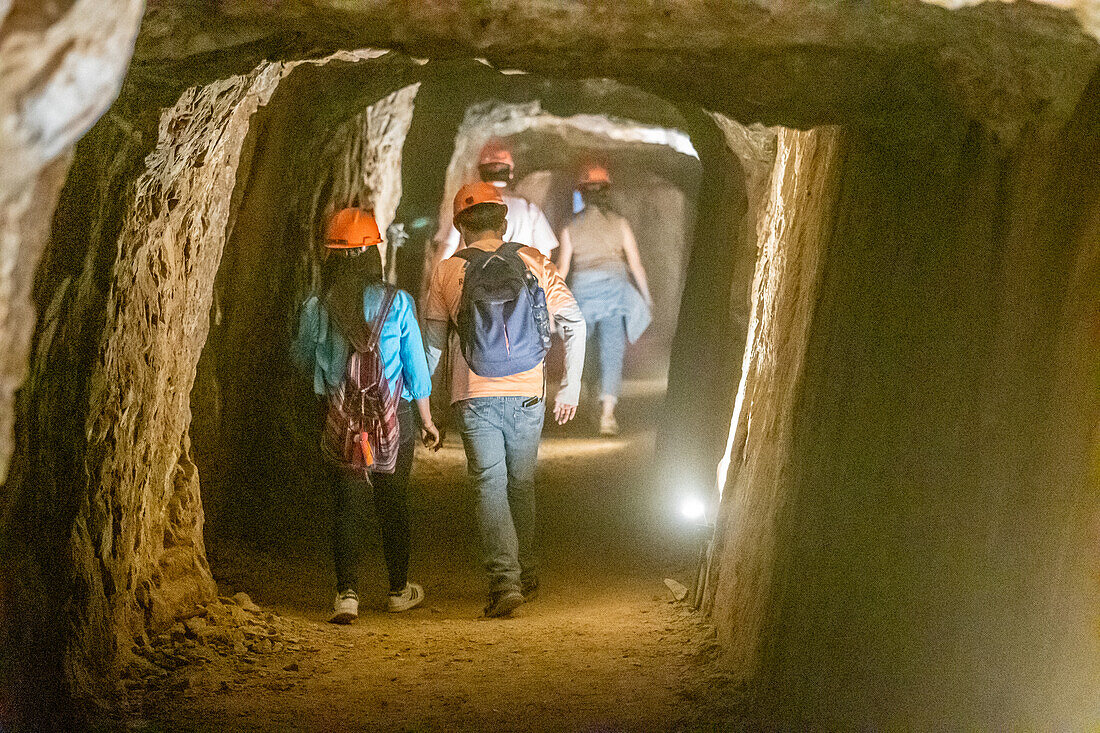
(473,254)
(506,251)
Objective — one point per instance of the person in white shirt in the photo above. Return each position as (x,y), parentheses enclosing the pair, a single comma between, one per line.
(527,224)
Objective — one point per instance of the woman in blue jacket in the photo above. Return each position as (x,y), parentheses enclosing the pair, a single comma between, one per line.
(353,266)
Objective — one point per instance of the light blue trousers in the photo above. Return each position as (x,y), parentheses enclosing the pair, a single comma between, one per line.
(610,336)
(501,437)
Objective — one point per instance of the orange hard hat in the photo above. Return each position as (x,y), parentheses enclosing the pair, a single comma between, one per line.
(594,175)
(473,194)
(495,153)
(352,228)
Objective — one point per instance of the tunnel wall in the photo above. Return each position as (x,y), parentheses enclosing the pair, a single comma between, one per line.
(803,190)
(918,495)
(270,492)
(121,514)
(102,513)
(704,368)
(56,81)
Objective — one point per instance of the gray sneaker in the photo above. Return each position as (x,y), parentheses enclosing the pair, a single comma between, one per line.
(406,599)
(345,608)
(502,603)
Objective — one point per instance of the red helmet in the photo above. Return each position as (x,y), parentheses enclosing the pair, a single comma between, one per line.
(495,153)
(594,176)
(473,194)
(352,228)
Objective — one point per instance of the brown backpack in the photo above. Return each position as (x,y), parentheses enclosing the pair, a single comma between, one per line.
(361,428)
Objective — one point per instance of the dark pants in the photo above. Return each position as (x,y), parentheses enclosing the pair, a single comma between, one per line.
(390,492)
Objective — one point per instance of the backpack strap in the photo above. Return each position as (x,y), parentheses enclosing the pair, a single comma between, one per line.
(380,317)
(351,321)
(475,255)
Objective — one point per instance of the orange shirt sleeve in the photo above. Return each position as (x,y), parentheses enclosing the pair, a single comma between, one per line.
(558,295)
(439,301)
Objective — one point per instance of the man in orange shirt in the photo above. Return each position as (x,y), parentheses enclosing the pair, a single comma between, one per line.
(500,417)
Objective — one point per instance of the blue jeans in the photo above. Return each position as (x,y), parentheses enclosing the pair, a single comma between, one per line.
(501,437)
(610,334)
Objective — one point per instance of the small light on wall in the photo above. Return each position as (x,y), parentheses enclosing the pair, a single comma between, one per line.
(693,509)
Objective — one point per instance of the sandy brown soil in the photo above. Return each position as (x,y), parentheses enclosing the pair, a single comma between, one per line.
(603,648)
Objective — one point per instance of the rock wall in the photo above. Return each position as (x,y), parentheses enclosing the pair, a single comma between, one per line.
(794,64)
(803,189)
(103,511)
(329,133)
(908,536)
(55,82)
(134,547)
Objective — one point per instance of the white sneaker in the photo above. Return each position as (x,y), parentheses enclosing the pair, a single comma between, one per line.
(609,425)
(345,608)
(406,599)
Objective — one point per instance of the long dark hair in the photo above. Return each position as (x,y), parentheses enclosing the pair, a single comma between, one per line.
(598,198)
(344,277)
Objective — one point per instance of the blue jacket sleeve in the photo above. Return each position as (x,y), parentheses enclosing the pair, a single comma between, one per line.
(319,348)
(414,363)
(304,348)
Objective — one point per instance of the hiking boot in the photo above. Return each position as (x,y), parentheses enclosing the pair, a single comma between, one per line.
(345,608)
(609,425)
(529,589)
(406,599)
(503,602)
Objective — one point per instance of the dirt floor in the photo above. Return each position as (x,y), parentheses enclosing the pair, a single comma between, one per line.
(603,648)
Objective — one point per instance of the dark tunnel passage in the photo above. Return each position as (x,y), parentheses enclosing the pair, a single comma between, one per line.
(272,490)
(872,234)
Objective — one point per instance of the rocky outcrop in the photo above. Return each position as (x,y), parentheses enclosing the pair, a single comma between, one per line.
(802,196)
(56,79)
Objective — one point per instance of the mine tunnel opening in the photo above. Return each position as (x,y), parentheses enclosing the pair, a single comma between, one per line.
(906,504)
(401,145)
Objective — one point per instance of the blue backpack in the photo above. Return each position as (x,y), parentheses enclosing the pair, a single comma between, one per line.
(503,323)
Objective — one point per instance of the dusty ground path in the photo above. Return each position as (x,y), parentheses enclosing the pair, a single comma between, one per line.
(601,649)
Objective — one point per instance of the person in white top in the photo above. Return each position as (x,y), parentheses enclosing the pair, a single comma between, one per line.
(527,224)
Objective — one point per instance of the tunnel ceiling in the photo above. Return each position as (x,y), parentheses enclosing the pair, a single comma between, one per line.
(797,64)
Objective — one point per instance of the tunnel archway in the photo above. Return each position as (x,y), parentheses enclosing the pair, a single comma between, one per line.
(937,114)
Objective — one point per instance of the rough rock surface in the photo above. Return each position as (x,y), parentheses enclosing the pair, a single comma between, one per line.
(56,79)
(219,647)
(796,64)
(366,161)
(121,503)
(801,197)
(148,555)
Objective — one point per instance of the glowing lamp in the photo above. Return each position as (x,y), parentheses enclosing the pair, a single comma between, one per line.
(693,509)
